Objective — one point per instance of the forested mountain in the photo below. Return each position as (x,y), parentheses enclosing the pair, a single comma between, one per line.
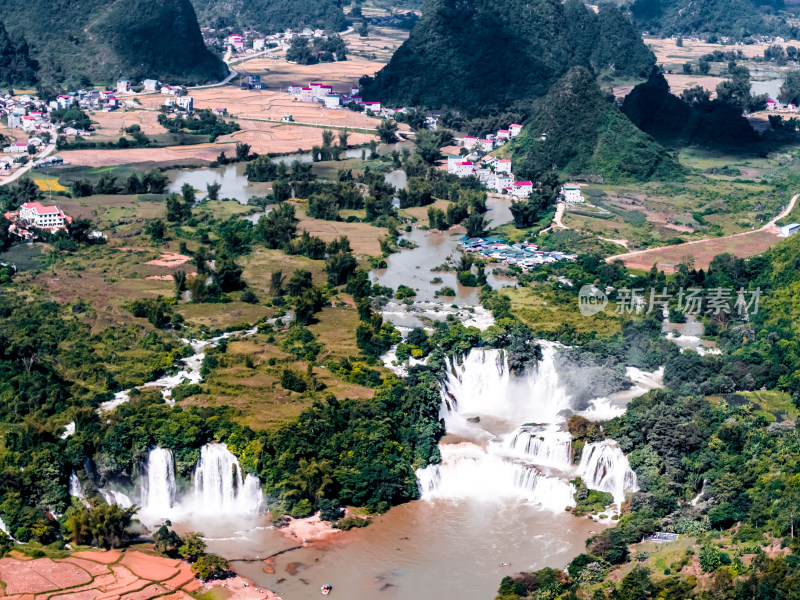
(96,41)
(733,18)
(16,65)
(576,129)
(269,16)
(487,55)
(673,120)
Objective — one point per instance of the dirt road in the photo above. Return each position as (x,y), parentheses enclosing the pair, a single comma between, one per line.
(748,243)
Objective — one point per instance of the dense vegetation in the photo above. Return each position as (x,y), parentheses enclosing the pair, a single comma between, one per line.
(94,42)
(452,58)
(577,130)
(698,434)
(270,16)
(693,119)
(16,66)
(738,19)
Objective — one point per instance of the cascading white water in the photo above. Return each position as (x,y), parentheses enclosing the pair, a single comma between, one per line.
(158,485)
(218,486)
(605,467)
(467,471)
(3,528)
(115,497)
(75,487)
(482,385)
(548,446)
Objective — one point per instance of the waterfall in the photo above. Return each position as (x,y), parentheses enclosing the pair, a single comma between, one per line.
(3,528)
(483,385)
(218,486)
(605,467)
(158,485)
(115,497)
(467,471)
(547,447)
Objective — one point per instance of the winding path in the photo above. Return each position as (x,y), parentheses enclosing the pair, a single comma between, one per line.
(31,163)
(747,243)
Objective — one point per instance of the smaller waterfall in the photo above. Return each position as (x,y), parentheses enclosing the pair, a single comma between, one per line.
(542,446)
(75,487)
(604,467)
(218,485)
(702,493)
(115,497)
(158,485)
(3,528)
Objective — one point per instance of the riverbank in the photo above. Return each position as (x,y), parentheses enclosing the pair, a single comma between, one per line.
(115,575)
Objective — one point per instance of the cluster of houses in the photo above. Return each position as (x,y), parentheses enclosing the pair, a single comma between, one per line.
(252,41)
(319,92)
(35,215)
(775,105)
(524,255)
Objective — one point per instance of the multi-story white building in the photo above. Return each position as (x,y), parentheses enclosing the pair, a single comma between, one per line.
(522,189)
(45,217)
(571,192)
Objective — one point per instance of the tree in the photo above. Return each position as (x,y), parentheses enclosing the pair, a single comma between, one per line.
(228,274)
(703,66)
(276,283)
(476,225)
(210,566)
(156,230)
(242,151)
(193,546)
(339,267)
(300,52)
(213,191)
(343,138)
(166,541)
(178,211)
(387,131)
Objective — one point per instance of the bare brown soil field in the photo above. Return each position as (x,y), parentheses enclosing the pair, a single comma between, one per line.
(98,575)
(703,251)
(380,43)
(363,236)
(109,123)
(173,154)
(277,74)
(666,50)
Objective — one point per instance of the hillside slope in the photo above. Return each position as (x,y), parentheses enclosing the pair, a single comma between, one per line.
(16,66)
(487,55)
(733,18)
(270,16)
(576,129)
(97,41)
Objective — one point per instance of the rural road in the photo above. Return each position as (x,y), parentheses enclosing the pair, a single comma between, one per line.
(768,228)
(46,152)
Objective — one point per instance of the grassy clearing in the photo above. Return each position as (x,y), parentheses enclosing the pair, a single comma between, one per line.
(26,257)
(549,311)
(772,405)
(223,316)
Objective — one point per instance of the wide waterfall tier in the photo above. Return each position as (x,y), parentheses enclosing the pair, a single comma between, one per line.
(218,487)
(545,446)
(75,487)
(468,471)
(605,467)
(159,491)
(482,384)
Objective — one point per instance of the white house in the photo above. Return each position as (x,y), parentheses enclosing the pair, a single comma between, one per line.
(522,189)
(789,230)
(486,145)
(500,182)
(470,141)
(42,216)
(294,90)
(17,148)
(514,130)
(452,161)
(150,85)
(258,44)
(185,102)
(331,101)
(307,94)
(375,107)
(503,165)
(464,168)
(354,91)
(571,192)
(503,134)
(64,101)
(123,86)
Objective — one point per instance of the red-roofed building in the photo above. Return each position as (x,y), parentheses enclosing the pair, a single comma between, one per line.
(503,134)
(503,166)
(45,217)
(514,130)
(470,141)
(522,189)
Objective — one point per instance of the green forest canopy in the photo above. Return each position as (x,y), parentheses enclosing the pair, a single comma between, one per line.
(485,55)
(92,41)
(271,16)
